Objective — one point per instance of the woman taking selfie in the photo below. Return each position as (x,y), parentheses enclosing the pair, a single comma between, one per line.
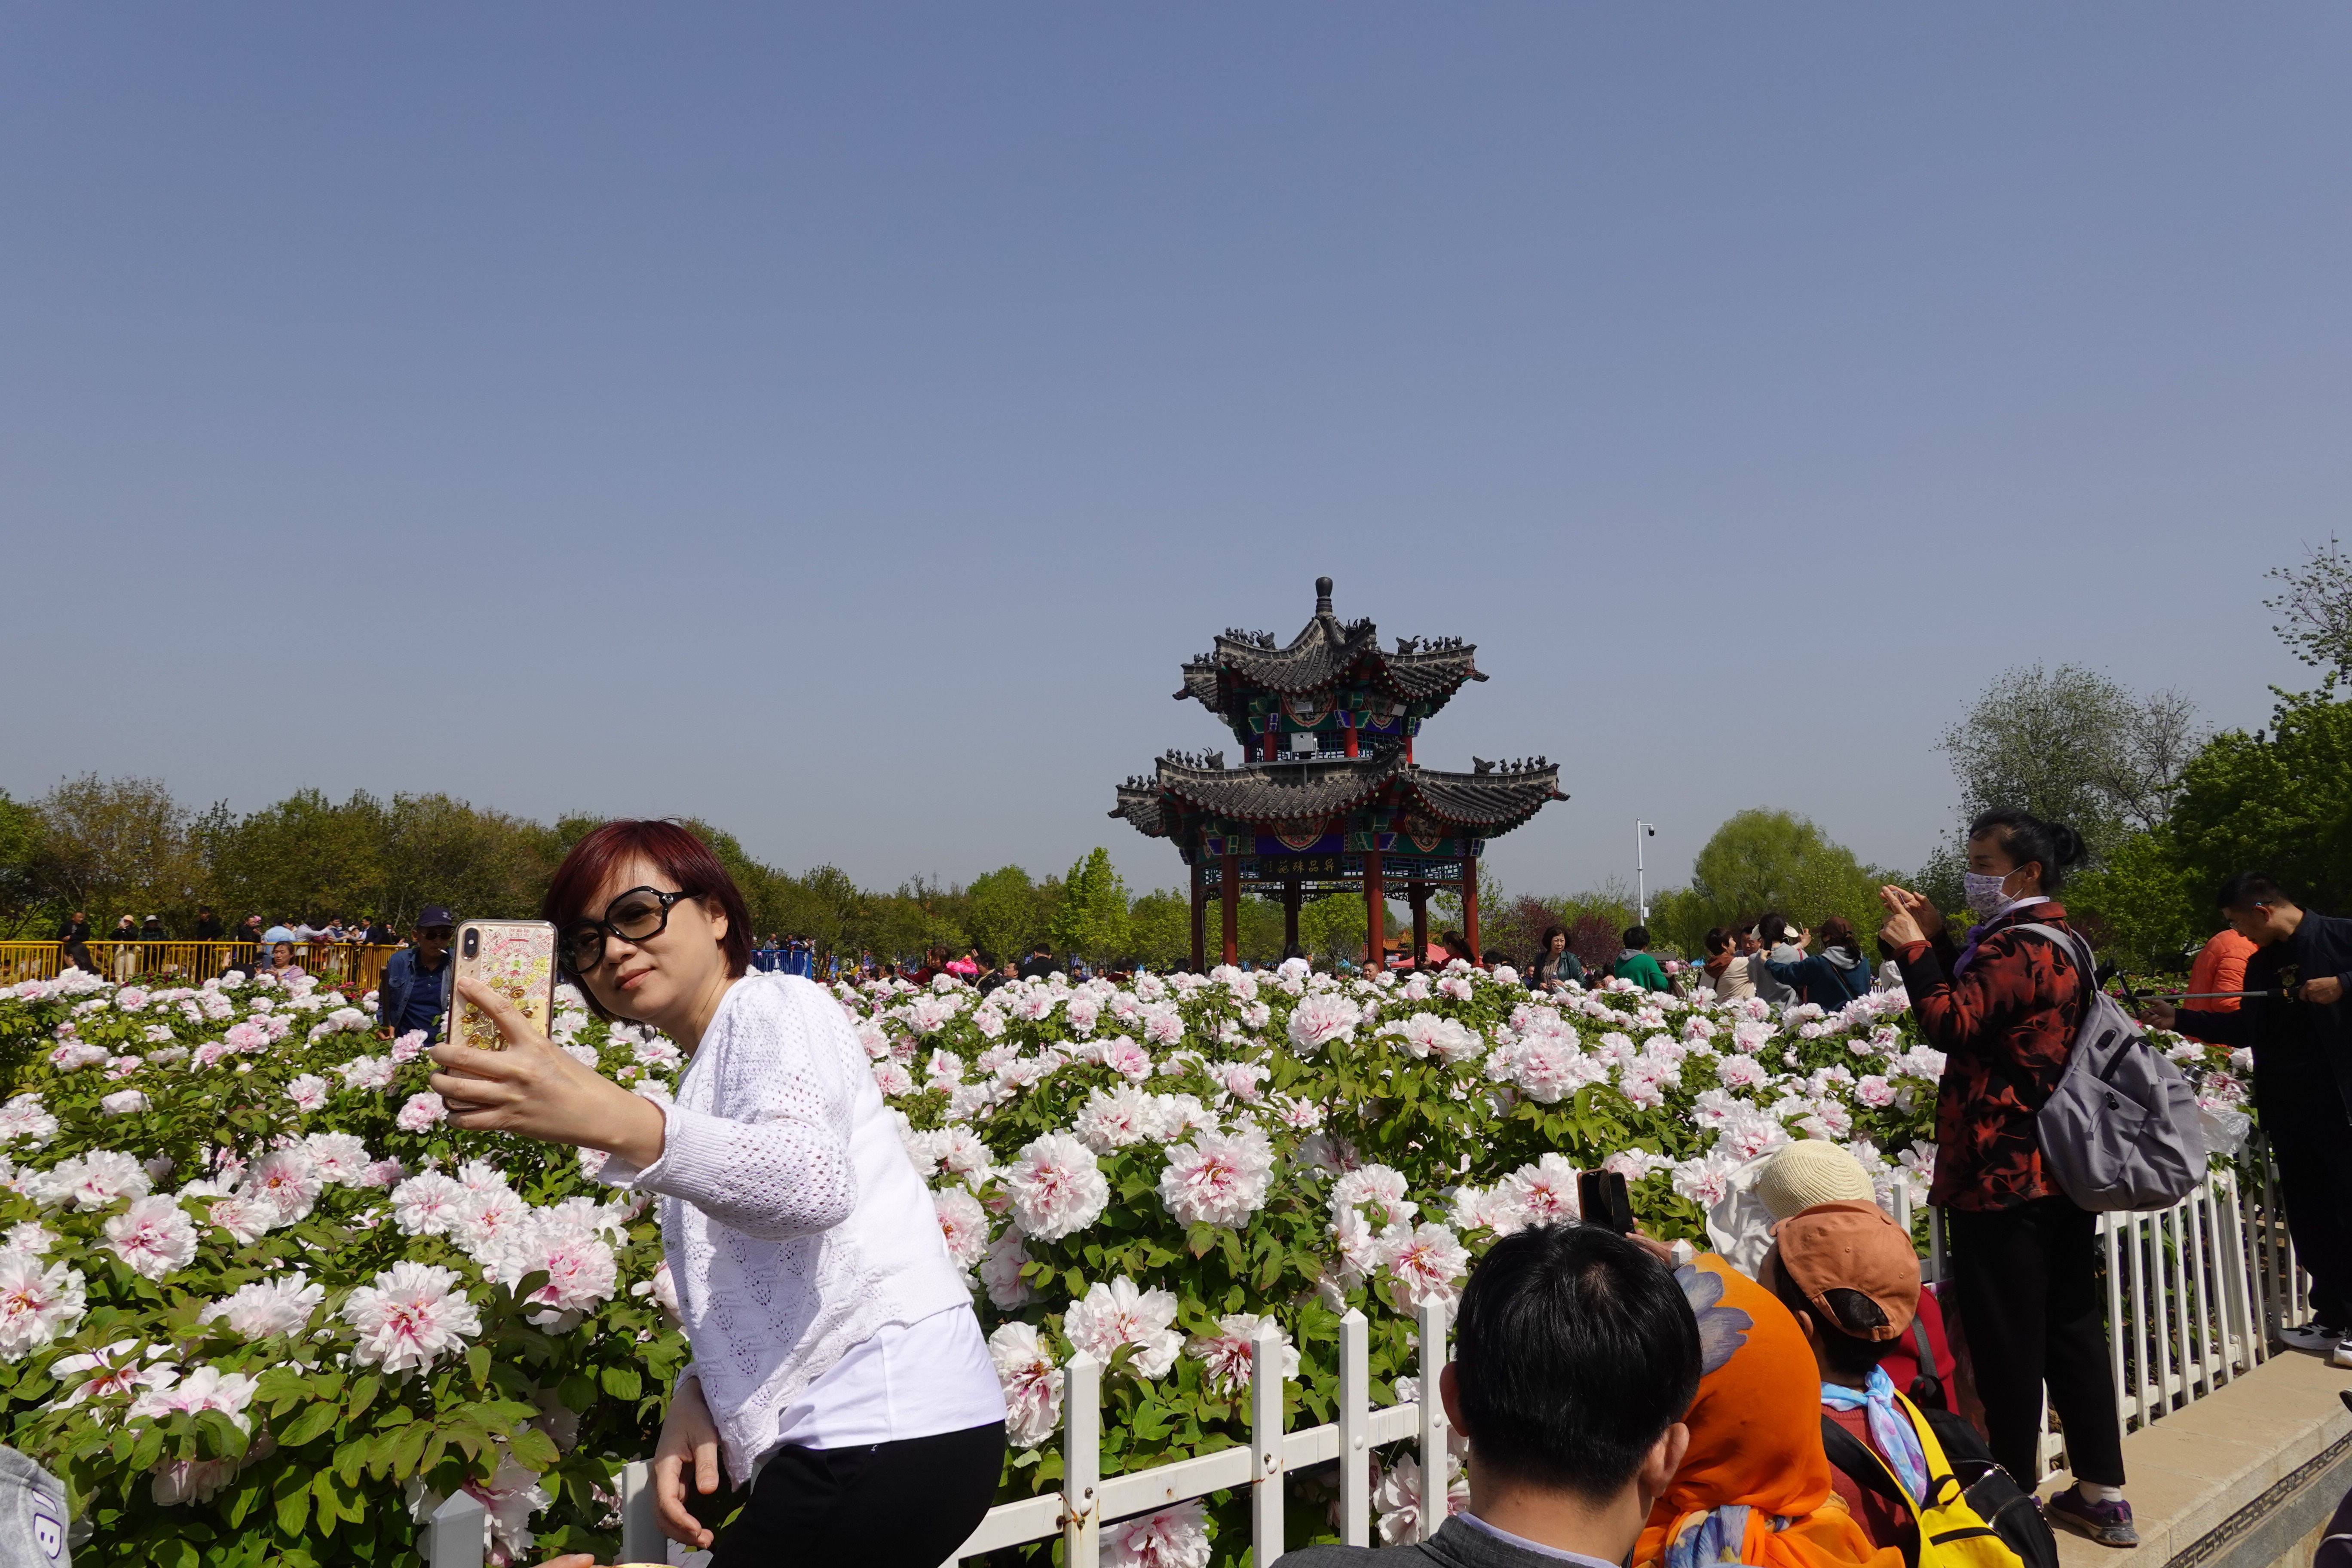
(838,1369)
(2004,1008)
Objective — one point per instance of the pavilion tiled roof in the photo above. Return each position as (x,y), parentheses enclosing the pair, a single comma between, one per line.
(1493,799)
(1325,652)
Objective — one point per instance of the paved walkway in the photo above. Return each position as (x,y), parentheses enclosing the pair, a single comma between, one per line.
(2239,1480)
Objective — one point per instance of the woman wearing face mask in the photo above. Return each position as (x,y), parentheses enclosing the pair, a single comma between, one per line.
(2004,1008)
(838,1368)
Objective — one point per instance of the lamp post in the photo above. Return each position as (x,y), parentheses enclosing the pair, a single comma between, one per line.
(1641,884)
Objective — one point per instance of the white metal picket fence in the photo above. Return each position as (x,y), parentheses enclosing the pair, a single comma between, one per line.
(2194,1292)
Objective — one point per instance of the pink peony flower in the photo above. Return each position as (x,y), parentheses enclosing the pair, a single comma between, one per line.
(421,1111)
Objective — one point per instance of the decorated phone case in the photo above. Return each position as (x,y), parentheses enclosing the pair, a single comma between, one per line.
(514,958)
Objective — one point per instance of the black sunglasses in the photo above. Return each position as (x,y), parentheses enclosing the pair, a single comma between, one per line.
(634,916)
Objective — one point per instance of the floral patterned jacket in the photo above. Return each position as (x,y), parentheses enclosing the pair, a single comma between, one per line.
(2005,1023)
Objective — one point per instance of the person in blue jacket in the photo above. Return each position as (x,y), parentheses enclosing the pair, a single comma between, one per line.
(1832,977)
(415,990)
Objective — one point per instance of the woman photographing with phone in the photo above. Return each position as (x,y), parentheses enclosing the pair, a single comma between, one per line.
(838,1369)
(2005,1008)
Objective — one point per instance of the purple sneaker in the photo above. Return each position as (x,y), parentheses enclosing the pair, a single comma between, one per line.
(2108,1523)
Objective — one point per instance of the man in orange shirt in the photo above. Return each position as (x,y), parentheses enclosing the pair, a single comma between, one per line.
(2221,966)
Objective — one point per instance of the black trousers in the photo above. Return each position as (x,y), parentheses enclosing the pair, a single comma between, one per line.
(2028,1281)
(886,1505)
(2311,1138)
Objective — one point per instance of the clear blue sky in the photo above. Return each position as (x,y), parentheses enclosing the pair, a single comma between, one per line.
(840,421)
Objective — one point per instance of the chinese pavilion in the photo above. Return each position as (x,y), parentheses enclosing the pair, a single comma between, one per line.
(1328,794)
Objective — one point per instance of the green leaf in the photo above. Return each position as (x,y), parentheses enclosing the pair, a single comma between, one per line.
(363,1393)
(622,1381)
(478,1362)
(291,1494)
(532,1449)
(314,1419)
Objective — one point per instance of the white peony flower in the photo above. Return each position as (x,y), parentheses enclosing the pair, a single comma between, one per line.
(154,1238)
(426,1205)
(1119,1312)
(24,1119)
(36,1304)
(266,1309)
(1057,1187)
(1000,1272)
(409,1317)
(1218,1179)
(964,1224)
(1424,1263)
(1227,1352)
(309,1092)
(1321,1018)
(1032,1382)
(1176,1536)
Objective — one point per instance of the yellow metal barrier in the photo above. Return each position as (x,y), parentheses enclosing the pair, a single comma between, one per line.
(348,967)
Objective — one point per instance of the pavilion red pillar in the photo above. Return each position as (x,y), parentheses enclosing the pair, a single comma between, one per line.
(1348,723)
(1376,900)
(1470,904)
(1418,896)
(1229,884)
(1200,921)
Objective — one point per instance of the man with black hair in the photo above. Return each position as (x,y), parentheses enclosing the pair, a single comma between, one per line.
(1039,963)
(2300,1031)
(1575,1357)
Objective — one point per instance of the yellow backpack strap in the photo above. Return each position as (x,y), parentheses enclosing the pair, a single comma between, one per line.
(1939,1469)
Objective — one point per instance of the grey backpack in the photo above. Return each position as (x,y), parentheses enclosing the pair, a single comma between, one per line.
(2121,1131)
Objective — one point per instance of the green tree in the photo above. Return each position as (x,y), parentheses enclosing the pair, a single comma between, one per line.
(440,850)
(2317,608)
(303,857)
(1762,860)
(2278,801)
(1160,930)
(2071,745)
(116,847)
(1092,919)
(1332,927)
(2142,907)
(21,906)
(1001,913)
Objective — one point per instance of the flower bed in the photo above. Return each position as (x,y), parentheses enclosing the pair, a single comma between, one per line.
(258,1305)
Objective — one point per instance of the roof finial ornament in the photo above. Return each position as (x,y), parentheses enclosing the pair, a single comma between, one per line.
(1322,595)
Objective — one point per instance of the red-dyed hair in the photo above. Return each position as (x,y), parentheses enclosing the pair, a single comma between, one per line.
(676,854)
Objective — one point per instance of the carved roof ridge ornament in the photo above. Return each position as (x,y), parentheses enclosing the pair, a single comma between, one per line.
(1326,651)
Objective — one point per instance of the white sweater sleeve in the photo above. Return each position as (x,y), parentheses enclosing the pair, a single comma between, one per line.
(771,1158)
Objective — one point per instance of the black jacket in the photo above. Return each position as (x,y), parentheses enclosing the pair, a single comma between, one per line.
(1455,1545)
(2322,945)
(1037,966)
(208,928)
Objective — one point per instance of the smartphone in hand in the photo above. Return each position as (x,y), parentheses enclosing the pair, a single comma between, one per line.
(514,958)
(1602,1197)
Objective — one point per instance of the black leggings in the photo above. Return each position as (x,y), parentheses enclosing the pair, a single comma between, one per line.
(886,1505)
(2028,1279)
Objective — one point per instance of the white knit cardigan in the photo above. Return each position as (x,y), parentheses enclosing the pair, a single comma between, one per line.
(793,1223)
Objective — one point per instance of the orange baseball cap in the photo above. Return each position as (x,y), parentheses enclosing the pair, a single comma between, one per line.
(1850,1247)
